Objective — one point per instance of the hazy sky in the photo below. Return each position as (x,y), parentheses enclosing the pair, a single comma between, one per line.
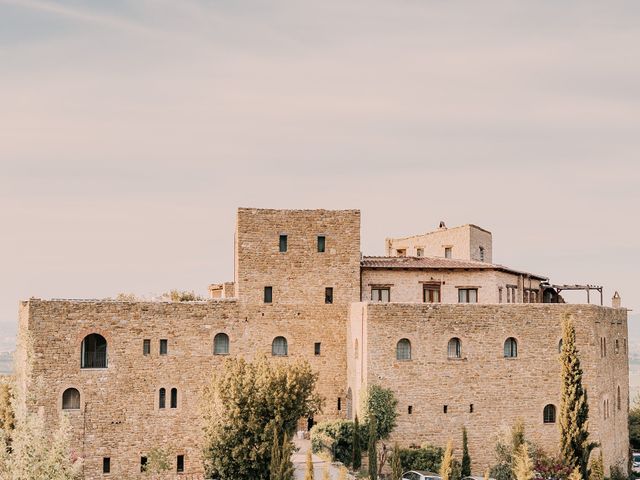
(130,131)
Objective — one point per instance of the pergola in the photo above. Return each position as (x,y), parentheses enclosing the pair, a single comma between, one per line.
(586,288)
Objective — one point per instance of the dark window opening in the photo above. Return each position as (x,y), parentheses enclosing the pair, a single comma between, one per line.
(339,404)
(94,351)
(316,348)
(549,414)
(445,408)
(162,398)
(268,294)
(454,348)
(328,295)
(410,409)
(321,243)
(403,349)
(146,346)
(106,465)
(482,254)
(431,293)
(283,243)
(510,348)
(279,347)
(174,398)
(164,346)
(143,464)
(447,252)
(180,464)
(471,408)
(71,399)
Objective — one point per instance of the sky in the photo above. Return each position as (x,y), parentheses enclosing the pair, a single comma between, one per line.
(131,131)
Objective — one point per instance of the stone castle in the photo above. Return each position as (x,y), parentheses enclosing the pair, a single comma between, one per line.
(460,340)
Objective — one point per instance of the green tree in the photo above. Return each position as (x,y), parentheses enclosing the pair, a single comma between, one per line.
(506,450)
(7,417)
(372,449)
(281,467)
(157,461)
(181,296)
(308,474)
(396,462)
(356,456)
(243,403)
(465,469)
(575,447)
(597,467)
(446,467)
(382,404)
(634,423)
(522,464)
(575,474)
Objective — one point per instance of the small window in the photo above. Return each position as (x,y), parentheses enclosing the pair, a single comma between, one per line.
(445,408)
(410,409)
(403,350)
(322,240)
(499,294)
(618,400)
(283,243)
(164,346)
(467,295)
(316,348)
(71,399)
(143,464)
(328,295)
(560,346)
(617,346)
(482,254)
(401,252)
(454,349)
(511,348)
(431,293)
(106,465)
(380,294)
(162,398)
(549,414)
(180,464)
(279,347)
(94,351)
(471,408)
(339,404)
(420,252)
(174,398)
(268,294)
(221,344)
(146,346)
(447,252)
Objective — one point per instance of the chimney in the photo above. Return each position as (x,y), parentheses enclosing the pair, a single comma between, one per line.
(616,301)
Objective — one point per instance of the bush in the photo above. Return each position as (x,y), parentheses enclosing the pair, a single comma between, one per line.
(381,403)
(426,458)
(336,437)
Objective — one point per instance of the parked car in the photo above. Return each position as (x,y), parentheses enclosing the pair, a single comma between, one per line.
(476,478)
(420,475)
(635,465)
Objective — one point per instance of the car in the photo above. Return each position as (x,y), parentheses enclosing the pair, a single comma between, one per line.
(476,477)
(420,475)
(635,466)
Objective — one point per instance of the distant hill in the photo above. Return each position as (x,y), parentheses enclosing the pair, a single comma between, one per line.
(6,363)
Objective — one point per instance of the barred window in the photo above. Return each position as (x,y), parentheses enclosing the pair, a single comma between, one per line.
(71,399)
(549,414)
(221,344)
(454,349)
(403,349)
(279,347)
(94,351)
(511,348)
(162,398)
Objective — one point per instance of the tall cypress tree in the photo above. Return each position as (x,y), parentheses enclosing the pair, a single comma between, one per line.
(356,452)
(575,447)
(465,469)
(372,450)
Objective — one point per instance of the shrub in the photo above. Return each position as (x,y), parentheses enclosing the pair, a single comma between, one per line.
(426,458)
(335,437)
(381,403)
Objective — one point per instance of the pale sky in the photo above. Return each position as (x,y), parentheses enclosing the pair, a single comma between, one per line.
(130,131)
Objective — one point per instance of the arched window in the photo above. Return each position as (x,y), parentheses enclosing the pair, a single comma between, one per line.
(221,344)
(94,351)
(618,399)
(549,414)
(403,350)
(279,347)
(511,348)
(454,349)
(560,346)
(174,398)
(162,398)
(71,399)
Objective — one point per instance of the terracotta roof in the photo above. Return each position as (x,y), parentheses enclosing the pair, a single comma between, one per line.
(437,263)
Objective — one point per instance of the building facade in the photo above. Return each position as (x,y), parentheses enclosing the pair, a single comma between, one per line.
(460,340)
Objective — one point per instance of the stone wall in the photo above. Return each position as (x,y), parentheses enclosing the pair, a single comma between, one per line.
(500,389)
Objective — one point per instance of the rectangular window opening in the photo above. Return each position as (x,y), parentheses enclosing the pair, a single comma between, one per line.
(322,240)
(328,295)
(471,408)
(106,465)
(143,464)
(283,243)
(420,252)
(316,348)
(380,294)
(180,464)
(447,252)
(146,346)
(268,294)
(445,408)
(467,295)
(164,346)
(410,409)
(339,404)
(431,293)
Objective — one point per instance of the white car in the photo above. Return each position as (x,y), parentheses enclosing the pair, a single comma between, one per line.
(635,466)
(420,475)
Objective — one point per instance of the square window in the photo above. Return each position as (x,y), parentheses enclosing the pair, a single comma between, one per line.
(106,465)
(420,252)
(321,243)
(328,295)
(164,346)
(283,243)
(268,294)
(401,252)
(143,464)
(316,348)
(180,464)
(146,346)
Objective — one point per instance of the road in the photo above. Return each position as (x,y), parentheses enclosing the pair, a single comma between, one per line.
(299,460)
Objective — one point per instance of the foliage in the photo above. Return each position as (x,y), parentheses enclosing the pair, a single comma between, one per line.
(127,297)
(342,473)
(356,446)
(157,461)
(634,423)
(615,473)
(575,474)
(596,471)
(522,464)
(182,296)
(575,447)
(396,462)
(243,404)
(308,473)
(456,471)
(426,458)
(382,404)
(338,437)
(371,448)
(550,468)
(465,469)
(7,417)
(446,466)
(280,467)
